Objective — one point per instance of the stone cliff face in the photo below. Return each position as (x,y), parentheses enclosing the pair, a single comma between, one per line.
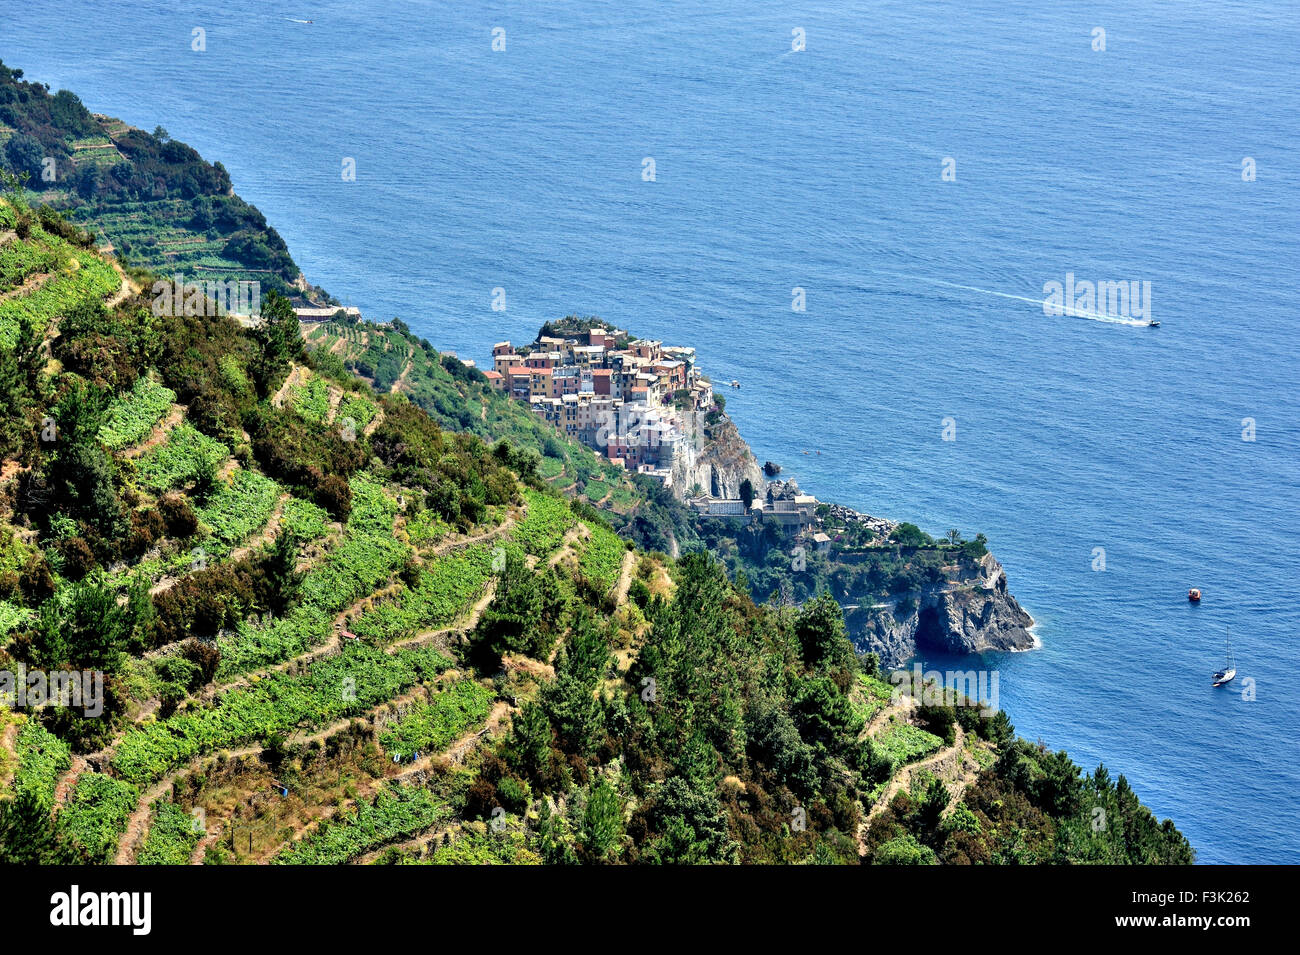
(970,614)
(715,458)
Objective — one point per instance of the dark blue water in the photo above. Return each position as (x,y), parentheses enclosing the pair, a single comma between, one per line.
(821,169)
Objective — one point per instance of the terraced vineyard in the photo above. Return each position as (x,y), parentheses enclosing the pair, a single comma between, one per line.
(905,743)
(132,416)
(238,508)
(187,455)
(393,813)
(327,646)
(306,520)
(436,724)
(446,589)
(346,684)
(42,759)
(173,834)
(78,276)
(311,400)
(96,814)
(602,555)
(543,529)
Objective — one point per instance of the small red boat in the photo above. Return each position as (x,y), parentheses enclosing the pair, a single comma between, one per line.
(1194,595)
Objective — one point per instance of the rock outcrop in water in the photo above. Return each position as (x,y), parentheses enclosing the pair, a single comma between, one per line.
(971,613)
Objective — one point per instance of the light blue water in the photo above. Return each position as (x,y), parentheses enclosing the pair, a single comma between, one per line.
(821,169)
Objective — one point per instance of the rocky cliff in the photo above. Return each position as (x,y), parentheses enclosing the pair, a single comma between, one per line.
(971,613)
(714,458)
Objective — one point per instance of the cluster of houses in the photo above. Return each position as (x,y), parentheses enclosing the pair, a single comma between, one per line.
(627,403)
(628,399)
(782,504)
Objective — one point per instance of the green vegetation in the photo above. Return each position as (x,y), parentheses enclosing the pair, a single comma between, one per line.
(357,410)
(543,528)
(311,400)
(1032,807)
(173,834)
(688,724)
(42,759)
(332,688)
(395,812)
(187,456)
(81,279)
(873,697)
(436,724)
(131,417)
(447,587)
(367,555)
(238,508)
(602,556)
(156,200)
(905,743)
(304,520)
(96,814)
(473,848)
(13,617)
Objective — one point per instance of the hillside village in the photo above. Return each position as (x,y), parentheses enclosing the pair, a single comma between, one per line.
(634,401)
(623,399)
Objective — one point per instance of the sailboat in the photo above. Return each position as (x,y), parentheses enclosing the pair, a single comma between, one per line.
(1229,670)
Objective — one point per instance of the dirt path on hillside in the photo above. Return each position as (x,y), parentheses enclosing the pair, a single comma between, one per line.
(886,716)
(297,375)
(9,744)
(566,548)
(159,433)
(904,776)
(952,765)
(125,290)
(69,780)
(451,544)
(624,578)
(400,383)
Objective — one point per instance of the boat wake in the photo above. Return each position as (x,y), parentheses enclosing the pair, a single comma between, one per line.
(1066,310)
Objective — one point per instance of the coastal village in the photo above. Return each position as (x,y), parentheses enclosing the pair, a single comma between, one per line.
(635,401)
(624,399)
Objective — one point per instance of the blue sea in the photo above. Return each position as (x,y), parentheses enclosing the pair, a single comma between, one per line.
(823,169)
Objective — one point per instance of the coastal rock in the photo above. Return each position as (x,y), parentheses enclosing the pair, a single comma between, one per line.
(715,458)
(972,613)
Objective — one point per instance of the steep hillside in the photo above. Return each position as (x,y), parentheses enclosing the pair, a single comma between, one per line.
(154,201)
(330,631)
(903,590)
